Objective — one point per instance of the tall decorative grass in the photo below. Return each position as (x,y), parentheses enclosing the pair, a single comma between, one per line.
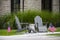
(28,17)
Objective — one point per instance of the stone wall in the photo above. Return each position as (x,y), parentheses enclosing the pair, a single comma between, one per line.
(25,4)
(5,7)
(0,7)
(55,5)
(32,4)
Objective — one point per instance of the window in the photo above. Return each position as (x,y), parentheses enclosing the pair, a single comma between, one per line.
(15,5)
(23,5)
(47,5)
(59,5)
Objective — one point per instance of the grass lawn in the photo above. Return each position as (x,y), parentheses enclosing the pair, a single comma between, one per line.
(54,35)
(6,33)
(14,32)
(57,30)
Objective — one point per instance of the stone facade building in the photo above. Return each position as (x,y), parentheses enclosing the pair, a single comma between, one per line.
(8,6)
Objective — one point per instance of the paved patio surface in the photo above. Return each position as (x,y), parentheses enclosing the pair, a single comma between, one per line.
(31,36)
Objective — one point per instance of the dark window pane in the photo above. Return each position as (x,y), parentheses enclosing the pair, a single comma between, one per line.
(59,5)
(47,5)
(15,5)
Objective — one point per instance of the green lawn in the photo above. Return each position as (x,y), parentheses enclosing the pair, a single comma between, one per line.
(4,32)
(58,29)
(13,32)
(54,35)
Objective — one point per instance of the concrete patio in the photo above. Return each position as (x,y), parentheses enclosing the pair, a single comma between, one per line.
(31,36)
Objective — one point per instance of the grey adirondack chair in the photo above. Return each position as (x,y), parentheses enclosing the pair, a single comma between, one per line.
(39,24)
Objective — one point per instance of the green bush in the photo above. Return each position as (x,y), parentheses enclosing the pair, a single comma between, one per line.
(28,17)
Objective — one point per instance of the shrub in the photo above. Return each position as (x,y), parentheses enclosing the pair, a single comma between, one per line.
(28,17)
